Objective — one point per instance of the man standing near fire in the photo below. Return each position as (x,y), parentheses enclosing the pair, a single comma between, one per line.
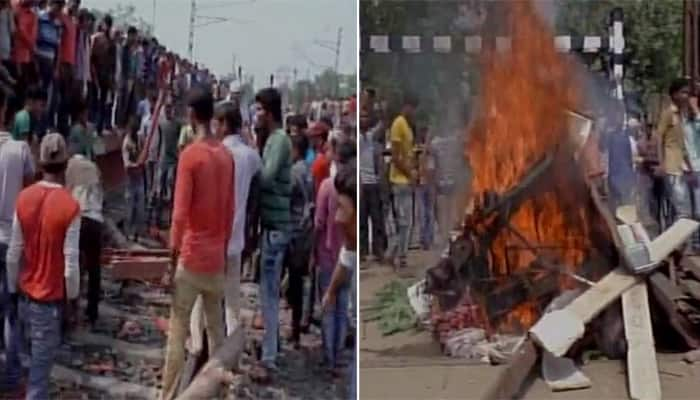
(677,125)
(401,174)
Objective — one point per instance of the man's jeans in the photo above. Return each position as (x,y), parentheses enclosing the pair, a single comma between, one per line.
(426,197)
(46,78)
(685,201)
(335,321)
(42,322)
(136,200)
(403,208)
(90,251)
(4,296)
(679,194)
(371,210)
(10,329)
(353,376)
(274,246)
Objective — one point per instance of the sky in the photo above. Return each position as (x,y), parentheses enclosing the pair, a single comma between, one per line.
(264,36)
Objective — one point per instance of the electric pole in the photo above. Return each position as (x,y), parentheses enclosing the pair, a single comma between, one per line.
(193,17)
(153,18)
(337,60)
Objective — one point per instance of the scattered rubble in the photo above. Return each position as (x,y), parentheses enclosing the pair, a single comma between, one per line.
(123,356)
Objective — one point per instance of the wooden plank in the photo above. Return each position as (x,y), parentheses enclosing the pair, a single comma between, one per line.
(692,266)
(559,330)
(511,379)
(666,294)
(642,369)
(217,371)
(672,238)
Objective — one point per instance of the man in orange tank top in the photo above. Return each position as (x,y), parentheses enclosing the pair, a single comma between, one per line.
(46,235)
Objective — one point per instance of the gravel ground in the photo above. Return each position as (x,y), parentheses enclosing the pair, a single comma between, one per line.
(300,375)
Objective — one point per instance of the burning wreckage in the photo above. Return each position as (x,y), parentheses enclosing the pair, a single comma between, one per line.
(542,267)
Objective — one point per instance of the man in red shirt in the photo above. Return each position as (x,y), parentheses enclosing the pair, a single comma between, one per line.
(46,235)
(321,167)
(23,45)
(201,228)
(67,58)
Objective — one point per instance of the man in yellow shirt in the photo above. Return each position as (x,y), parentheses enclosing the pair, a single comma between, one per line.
(675,127)
(402,174)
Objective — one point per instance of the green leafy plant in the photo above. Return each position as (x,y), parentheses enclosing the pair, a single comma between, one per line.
(391,309)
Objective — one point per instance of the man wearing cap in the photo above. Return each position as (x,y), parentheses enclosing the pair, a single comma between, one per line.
(46,235)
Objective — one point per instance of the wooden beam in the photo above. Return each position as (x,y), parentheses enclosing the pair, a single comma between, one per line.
(557,331)
(642,369)
(207,383)
(511,379)
(672,238)
(692,287)
(666,295)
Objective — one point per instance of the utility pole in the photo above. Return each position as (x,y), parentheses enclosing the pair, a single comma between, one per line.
(193,17)
(337,61)
(153,18)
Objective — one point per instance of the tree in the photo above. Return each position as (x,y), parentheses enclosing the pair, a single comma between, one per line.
(653,37)
(434,79)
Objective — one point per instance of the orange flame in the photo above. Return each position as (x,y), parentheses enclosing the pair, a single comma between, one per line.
(525,92)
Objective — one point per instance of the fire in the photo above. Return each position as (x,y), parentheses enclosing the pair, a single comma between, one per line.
(525,92)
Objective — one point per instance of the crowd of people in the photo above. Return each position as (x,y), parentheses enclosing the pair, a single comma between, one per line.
(235,185)
(409,183)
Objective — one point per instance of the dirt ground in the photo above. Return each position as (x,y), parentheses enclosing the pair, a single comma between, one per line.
(409,365)
(105,363)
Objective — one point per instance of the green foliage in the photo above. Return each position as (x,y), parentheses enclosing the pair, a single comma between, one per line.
(653,37)
(391,309)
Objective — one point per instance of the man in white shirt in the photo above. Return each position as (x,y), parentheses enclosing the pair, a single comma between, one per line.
(83,181)
(16,171)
